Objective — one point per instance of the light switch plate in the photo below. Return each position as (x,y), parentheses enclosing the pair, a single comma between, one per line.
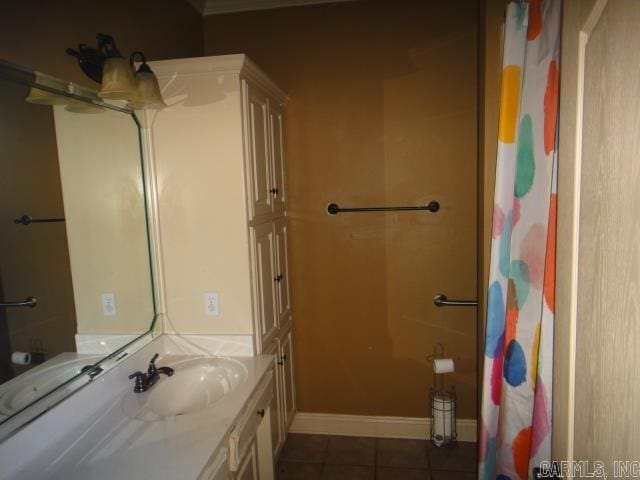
(109,307)
(211,304)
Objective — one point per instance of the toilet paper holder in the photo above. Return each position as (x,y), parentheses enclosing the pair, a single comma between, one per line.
(442,404)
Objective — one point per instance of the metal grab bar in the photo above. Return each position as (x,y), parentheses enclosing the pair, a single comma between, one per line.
(27,220)
(432,206)
(441,300)
(28,302)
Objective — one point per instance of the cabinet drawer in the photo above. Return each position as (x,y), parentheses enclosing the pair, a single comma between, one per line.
(217,468)
(242,434)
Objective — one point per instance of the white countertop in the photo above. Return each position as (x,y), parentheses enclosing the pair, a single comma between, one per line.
(39,380)
(111,445)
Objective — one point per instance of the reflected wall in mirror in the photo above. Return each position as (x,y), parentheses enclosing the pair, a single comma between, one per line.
(74,241)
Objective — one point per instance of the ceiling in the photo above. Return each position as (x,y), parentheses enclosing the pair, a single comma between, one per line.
(213,7)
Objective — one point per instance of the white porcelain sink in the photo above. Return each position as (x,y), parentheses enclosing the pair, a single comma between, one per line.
(197,383)
(34,384)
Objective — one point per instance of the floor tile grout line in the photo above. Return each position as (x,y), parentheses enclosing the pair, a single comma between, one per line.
(429,469)
(326,447)
(375,468)
(324,457)
(343,464)
(375,459)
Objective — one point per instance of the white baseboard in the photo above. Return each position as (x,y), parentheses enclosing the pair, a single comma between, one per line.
(369,426)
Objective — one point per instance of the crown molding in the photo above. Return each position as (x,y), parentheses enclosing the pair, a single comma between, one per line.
(238,64)
(214,7)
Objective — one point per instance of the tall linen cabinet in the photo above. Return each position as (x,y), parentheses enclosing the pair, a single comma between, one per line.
(218,156)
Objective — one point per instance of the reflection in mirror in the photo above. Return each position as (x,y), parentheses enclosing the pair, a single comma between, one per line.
(75,271)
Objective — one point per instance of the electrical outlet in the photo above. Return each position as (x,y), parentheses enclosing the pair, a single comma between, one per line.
(211,304)
(109,307)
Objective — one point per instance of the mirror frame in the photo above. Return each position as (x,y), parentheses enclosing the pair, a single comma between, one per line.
(23,76)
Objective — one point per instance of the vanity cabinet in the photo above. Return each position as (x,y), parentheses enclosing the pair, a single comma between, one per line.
(279,187)
(218,469)
(248,469)
(265,280)
(283,296)
(284,403)
(244,461)
(265,159)
(285,362)
(217,154)
(247,454)
(271,279)
(259,174)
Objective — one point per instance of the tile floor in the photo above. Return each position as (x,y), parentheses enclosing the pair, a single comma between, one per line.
(325,457)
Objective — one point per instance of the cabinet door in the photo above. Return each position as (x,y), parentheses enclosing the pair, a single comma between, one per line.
(282,271)
(264,281)
(277,433)
(277,157)
(218,469)
(257,139)
(248,469)
(288,385)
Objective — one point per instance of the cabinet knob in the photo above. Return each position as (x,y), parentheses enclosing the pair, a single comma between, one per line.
(275,190)
(278,278)
(260,413)
(280,362)
(284,358)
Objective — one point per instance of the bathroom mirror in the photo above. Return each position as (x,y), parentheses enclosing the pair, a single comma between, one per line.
(76,284)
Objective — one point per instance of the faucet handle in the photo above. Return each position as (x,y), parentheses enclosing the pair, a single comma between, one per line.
(168,371)
(136,375)
(152,370)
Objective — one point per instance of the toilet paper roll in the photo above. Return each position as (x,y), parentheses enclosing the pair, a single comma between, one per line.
(443,365)
(443,417)
(21,358)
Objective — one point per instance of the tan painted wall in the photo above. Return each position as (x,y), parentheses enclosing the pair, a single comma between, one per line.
(36,33)
(382,110)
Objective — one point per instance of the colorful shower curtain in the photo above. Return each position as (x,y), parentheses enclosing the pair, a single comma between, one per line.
(516,405)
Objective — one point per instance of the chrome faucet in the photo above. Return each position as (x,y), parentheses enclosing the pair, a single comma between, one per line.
(144,381)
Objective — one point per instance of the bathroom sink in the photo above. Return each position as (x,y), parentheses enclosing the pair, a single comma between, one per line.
(196,384)
(34,384)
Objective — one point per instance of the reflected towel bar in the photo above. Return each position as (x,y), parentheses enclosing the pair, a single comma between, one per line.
(334,209)
(27,220)
(28,302)
(441,300)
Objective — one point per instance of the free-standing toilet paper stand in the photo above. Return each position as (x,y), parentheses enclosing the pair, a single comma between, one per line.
(442,402)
